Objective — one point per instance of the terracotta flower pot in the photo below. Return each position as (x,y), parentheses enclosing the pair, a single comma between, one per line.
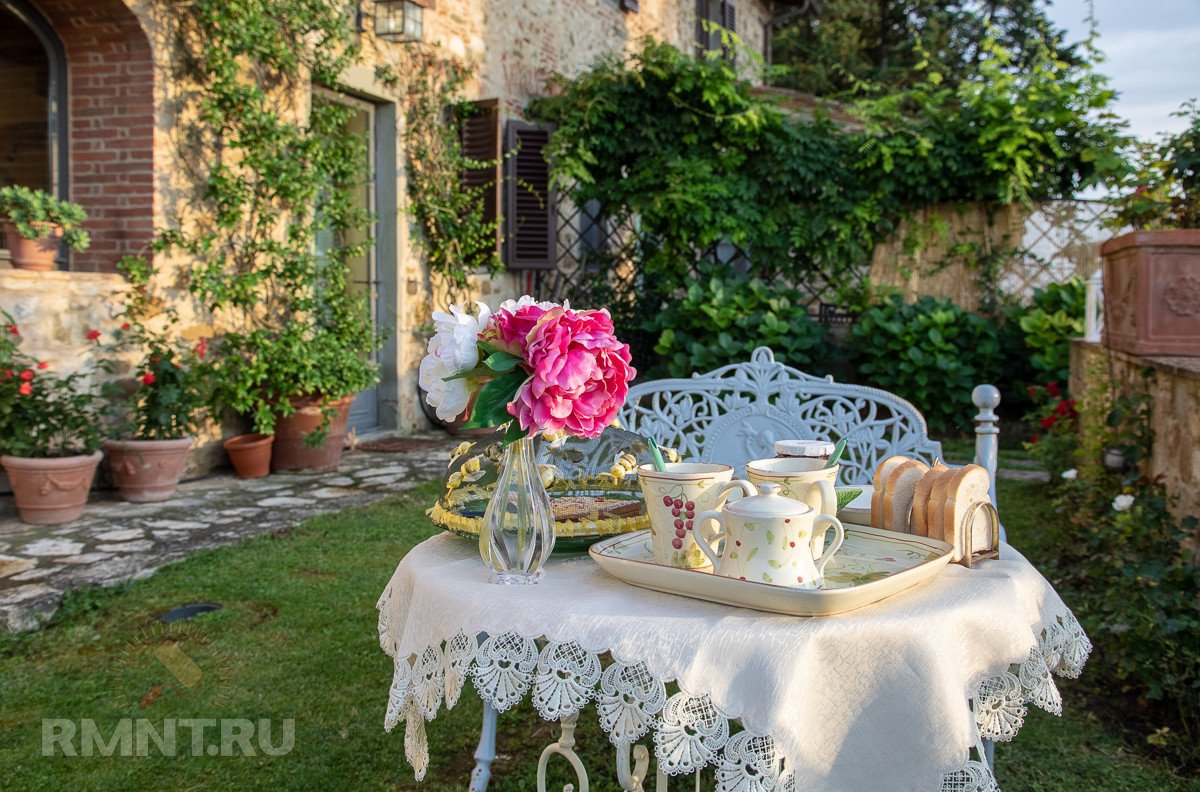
(146,471)
(33,254)
(250,454)
(51,491)
(1152,292)
(291,452)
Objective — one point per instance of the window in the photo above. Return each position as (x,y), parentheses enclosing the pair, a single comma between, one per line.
(33,122)
(514,183)
(401,20)
(711,17)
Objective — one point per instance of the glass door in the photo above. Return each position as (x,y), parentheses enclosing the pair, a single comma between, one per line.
(363,275)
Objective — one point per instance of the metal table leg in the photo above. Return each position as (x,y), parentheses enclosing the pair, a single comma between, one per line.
(486,752)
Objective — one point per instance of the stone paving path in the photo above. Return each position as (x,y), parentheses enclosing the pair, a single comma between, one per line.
(116,541)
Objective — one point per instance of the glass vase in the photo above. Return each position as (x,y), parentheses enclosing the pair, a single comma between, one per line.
(518,527)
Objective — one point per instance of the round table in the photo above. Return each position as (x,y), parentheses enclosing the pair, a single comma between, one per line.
(896,695)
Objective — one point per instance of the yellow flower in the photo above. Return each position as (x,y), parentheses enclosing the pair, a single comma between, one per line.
(455,479)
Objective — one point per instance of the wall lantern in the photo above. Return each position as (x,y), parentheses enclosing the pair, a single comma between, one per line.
(401,20)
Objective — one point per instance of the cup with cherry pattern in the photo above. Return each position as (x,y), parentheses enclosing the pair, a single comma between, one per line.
(673,499)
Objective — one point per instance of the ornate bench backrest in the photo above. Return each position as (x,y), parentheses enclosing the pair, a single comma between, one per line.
(736,413)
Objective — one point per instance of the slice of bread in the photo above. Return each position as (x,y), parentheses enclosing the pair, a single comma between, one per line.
(901,490)
(919,522)
(966,487)
(877,498)
(934,514)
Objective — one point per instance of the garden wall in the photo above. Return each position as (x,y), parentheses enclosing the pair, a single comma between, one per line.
(942,250)
(1174,384)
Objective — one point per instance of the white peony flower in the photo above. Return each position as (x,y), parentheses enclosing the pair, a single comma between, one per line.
(452,350)
(1122,503)
(1070,475)
(456,335)
(448,398)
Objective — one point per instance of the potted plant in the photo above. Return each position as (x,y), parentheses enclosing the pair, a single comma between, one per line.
(1152,274)
(37,224)
(154,413)
(49,433)
(297,381)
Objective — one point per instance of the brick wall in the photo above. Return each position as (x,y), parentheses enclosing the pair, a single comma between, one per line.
(111,90)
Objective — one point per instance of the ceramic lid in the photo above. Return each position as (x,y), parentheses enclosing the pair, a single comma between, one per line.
(804,448)
(767,503)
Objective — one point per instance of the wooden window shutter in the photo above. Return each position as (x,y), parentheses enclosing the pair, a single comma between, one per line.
(729,16)
(530,239)
(479,138)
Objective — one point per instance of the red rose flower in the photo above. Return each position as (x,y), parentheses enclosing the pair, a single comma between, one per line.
(202,347)
(1052,389)
(25,388)
(13,329)
(1034,439)
(8,374)
(43,365)
(1049,421)
(148,378)
(126,326)
(92,335)
(1065,407)
(27,375)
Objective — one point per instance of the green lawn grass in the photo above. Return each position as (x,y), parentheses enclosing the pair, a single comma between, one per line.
(296,640)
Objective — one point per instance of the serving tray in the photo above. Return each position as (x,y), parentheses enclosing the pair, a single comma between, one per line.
(872,565)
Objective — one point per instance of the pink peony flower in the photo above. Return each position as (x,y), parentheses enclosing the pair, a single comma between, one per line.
(512,322)
(580,376)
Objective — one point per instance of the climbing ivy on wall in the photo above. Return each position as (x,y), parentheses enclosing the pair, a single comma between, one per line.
(699,157)
(456,236)
(272,171)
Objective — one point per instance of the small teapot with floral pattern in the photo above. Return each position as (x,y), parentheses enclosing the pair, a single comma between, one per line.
(770,539)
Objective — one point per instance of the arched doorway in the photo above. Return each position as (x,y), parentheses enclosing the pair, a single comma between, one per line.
(33,86)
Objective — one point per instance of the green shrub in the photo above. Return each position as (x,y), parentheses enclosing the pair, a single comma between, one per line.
(723,319)
(1127,569)
(1055,317)
(931,352)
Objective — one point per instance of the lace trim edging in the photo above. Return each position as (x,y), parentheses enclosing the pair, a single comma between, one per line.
(689,732)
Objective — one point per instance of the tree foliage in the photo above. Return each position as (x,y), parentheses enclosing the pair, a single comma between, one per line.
(889,43)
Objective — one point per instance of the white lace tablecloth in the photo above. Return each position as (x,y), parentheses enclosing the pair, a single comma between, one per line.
(889,697)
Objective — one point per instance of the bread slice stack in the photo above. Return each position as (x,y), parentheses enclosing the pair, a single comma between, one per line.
(937,501)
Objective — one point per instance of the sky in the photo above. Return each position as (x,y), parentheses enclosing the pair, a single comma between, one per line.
(1153,55)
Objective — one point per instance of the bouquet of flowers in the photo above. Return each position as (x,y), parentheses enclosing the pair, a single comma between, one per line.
(536,366)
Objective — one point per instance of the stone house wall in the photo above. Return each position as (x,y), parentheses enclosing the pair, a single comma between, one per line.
(127,169)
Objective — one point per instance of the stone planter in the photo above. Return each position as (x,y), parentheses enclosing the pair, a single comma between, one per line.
(33,254)
(1152,292)
(290,452)
(250,454)
(51,491)
(147,471)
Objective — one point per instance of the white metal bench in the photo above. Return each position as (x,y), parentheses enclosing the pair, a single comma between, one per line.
(735,414)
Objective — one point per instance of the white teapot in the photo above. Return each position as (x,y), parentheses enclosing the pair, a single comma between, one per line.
(770,539)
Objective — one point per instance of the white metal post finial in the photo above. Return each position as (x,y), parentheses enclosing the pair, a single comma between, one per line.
(987,432)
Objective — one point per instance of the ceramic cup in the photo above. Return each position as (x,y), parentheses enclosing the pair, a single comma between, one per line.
(805,480)
(673,499)
(770,539)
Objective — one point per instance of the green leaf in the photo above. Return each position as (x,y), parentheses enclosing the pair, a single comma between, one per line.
(502,361)
(513,434)
(494,397)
